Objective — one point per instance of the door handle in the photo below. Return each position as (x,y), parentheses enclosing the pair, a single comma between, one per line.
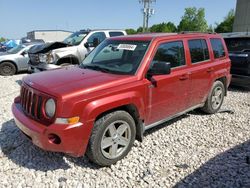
(184,77)
(210,69)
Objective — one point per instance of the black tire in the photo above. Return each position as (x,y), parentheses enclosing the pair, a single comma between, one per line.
(7,69)
(209,107)
(95,152)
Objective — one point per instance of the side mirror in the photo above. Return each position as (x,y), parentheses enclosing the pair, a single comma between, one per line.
(86,45)
(95,42)
(23,53)
(160,68)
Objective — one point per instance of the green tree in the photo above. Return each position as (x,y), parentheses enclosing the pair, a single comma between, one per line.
(226,26)
(163,27)
(2,39)
(193,20)
(131,31)
(139,30)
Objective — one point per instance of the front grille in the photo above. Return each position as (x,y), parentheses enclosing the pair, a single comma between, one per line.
(34,59)
(32,103)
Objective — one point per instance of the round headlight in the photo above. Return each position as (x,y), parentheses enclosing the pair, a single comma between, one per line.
(50,108)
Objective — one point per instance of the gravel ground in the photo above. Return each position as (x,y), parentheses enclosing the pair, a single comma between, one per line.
(194,150)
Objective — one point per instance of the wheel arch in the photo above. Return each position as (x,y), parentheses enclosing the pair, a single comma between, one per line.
(134,106)
(68,59)
(224,81)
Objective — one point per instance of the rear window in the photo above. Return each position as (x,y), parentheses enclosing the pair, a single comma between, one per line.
(115,33)
(198,50)
(237,44)
(218,48)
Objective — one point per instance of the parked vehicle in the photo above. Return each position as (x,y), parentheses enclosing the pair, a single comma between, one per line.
(123,87)
(238,45)
(15,59)
(71,51)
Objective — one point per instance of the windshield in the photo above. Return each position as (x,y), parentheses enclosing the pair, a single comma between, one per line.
(237,44)
(116,56)
(76,38)
(16,49)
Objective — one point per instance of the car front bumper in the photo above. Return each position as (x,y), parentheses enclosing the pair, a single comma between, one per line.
(73,138)
(42,67)
(241,80)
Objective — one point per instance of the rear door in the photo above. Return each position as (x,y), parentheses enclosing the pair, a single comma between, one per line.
(201,70)
(168,94)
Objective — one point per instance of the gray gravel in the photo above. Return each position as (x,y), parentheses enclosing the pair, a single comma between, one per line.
(195,150)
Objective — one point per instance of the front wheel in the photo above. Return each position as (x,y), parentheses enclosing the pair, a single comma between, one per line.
(112,138)
(7,69)
(215,98)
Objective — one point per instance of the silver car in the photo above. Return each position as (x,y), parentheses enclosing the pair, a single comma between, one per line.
(15,59)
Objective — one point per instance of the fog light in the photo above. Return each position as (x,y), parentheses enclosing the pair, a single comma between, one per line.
(53,138)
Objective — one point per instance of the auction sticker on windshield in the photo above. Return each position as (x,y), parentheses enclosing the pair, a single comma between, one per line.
(130,47)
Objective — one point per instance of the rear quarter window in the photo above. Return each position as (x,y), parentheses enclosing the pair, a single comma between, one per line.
(198,50)
(218,48)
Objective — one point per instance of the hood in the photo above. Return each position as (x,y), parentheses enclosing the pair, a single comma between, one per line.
(44,48)
(73,81)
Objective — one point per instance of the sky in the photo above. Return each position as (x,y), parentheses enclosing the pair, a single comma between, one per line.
(17,17)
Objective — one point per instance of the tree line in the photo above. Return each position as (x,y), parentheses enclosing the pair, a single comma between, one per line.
(192,20)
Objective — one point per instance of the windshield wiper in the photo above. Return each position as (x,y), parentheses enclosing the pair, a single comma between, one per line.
(98,68)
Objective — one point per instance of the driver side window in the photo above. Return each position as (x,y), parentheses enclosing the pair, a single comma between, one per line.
(99,35)
(172,52)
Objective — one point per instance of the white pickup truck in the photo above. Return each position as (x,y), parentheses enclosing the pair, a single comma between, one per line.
(71,51)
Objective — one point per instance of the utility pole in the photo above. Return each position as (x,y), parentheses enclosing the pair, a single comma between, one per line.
(147,12)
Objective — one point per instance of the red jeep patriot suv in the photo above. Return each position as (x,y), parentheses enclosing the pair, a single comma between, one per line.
(123,87)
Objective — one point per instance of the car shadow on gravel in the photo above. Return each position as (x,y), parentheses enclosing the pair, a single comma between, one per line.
(20,150)
(228,169)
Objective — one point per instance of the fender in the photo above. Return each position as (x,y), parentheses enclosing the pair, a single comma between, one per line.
(93,109)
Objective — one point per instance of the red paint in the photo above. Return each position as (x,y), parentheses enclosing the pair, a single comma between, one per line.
(88,93)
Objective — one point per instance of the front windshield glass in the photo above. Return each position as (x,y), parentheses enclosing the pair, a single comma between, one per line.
(116,56)
(237,44)
(16,49)
(76,38)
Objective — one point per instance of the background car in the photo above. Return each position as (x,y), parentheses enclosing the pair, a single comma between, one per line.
(15,59)
(238,45)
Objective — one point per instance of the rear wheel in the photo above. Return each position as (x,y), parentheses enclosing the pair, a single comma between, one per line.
(112,138)
(7,69)
(215,98)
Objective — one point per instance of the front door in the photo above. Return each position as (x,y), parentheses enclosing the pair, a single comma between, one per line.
(168,94)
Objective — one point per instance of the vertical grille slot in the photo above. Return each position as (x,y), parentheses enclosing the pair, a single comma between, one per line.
(33,105)
(39,107)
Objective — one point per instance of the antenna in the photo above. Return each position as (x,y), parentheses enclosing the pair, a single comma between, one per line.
(147,12)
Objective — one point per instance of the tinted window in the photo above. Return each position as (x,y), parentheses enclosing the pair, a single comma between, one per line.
(172,52)
(238,44)
(115,33)
(99,35)
(198,50)
(218,48)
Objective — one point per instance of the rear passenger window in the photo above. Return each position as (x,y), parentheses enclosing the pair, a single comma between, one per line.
(218,48)
(115,33)
(172,52)
(198,50)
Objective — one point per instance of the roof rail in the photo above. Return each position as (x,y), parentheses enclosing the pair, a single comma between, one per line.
(190,32)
